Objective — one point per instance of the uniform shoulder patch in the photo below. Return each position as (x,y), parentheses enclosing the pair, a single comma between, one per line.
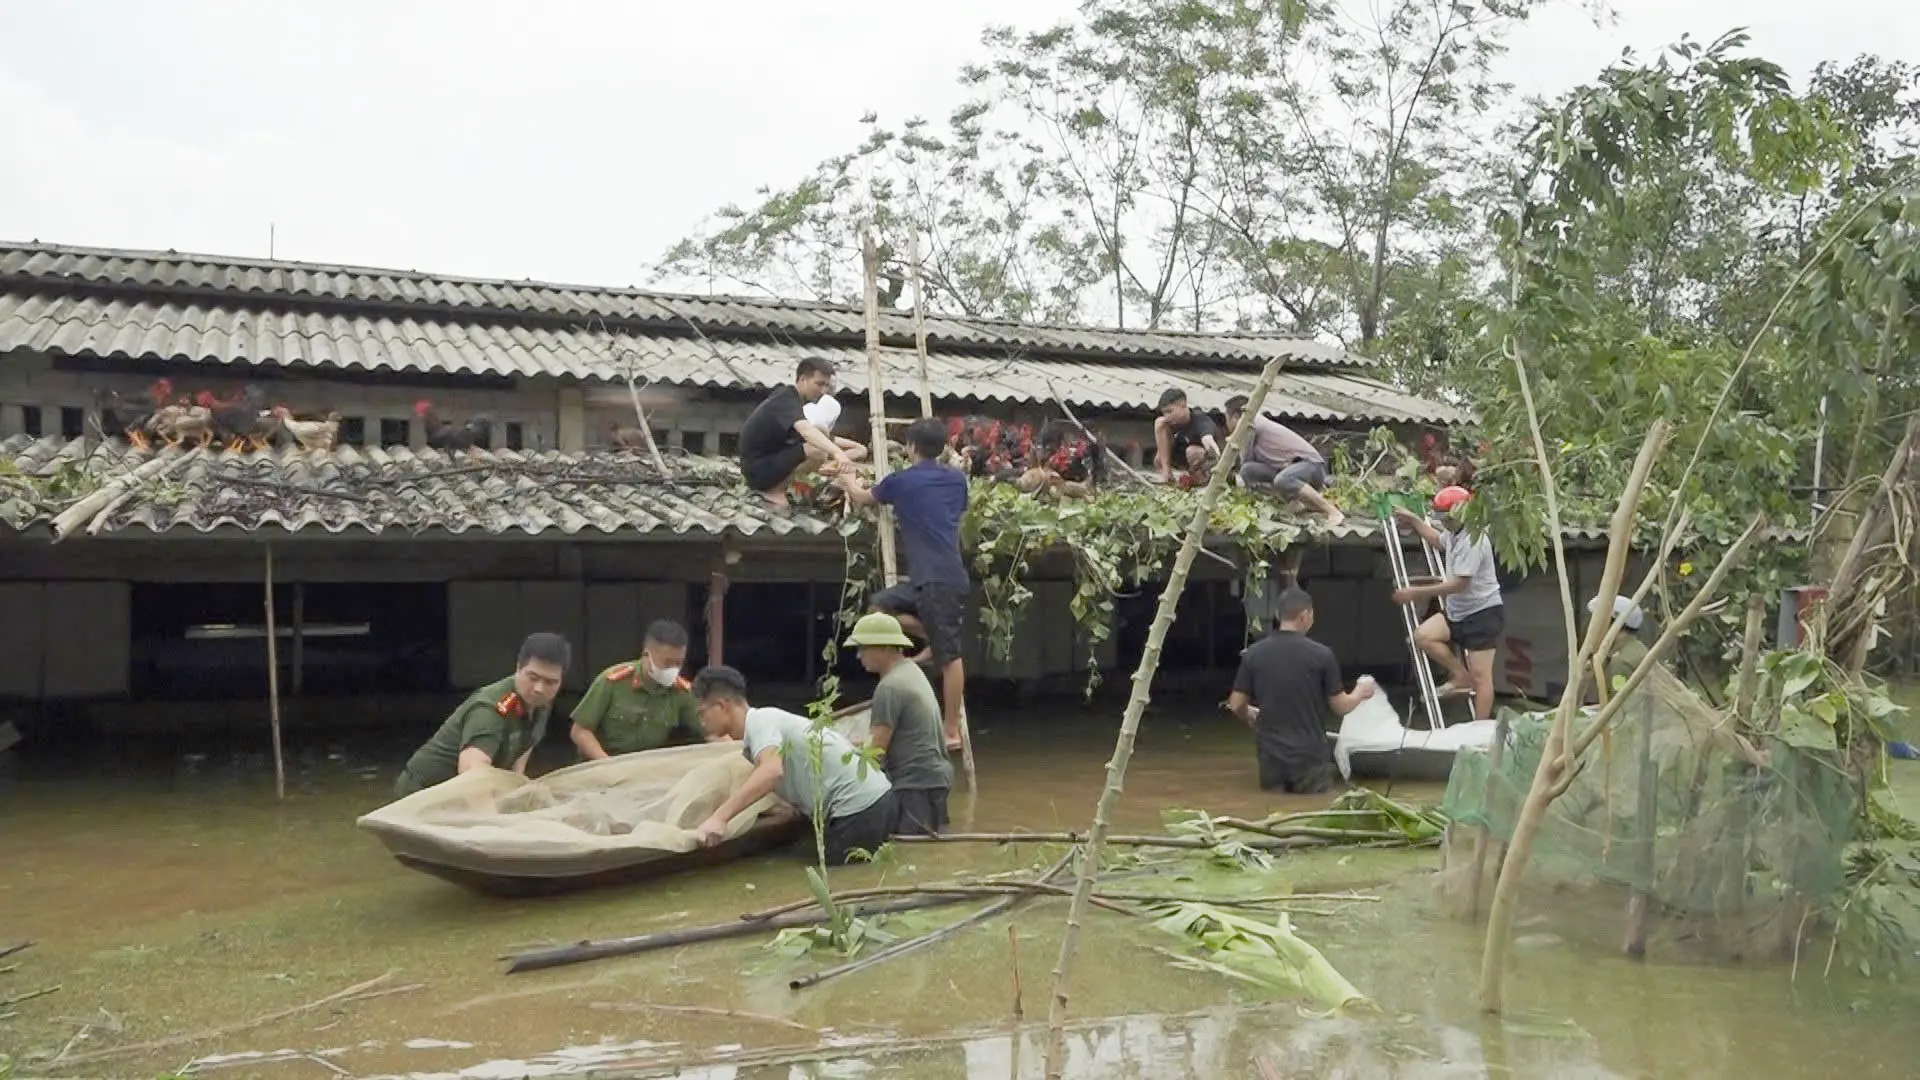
(619,672)
(683,683)
(509,705)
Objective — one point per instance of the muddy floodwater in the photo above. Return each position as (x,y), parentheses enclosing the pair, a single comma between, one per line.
(171,896)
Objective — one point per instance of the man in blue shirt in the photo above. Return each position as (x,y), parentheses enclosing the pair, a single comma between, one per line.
(928,500)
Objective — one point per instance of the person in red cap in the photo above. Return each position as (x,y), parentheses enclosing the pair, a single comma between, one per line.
(1472,615)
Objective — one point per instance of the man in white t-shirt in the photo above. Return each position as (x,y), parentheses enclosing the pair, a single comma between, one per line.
(853,793)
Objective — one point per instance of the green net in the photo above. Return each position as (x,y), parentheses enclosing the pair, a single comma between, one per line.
(1733,847)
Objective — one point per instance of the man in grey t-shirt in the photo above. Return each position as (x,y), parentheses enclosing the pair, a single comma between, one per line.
(1472,613)
(856,798)
(905,716)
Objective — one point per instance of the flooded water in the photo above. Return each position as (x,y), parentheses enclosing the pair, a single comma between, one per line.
(175,898)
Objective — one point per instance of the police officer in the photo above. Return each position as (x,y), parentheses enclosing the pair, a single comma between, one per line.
(497,725)
(642,704)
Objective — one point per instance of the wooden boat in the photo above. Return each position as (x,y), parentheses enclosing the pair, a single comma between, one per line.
(621,820)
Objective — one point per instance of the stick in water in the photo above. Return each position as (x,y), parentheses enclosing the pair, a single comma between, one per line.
(1190,547)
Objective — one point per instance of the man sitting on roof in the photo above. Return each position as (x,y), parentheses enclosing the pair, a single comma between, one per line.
(1183,438)
(1278,458)
(779,445)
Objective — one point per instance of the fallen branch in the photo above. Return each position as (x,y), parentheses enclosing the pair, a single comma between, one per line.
(583,951)
(1317,832)
(365,991)
(1188,842)
(964,891)
(702,1010)
(11,949)
(29,996)
(915,944)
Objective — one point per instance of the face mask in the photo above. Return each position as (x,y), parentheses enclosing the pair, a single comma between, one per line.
(663,676)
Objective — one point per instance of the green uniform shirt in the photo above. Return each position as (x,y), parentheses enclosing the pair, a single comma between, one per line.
(629,712)
(917,754)
(491,719)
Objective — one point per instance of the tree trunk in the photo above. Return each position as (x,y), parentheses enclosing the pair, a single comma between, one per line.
(1130,723)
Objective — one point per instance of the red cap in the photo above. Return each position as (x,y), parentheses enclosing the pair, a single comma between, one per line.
(1451,498)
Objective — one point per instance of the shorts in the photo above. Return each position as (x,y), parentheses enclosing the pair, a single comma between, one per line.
(1287,479)
(1181,448)
(919,811)
(1481,630)
(1293,776)
(766,473)
(941,608)
(864,830)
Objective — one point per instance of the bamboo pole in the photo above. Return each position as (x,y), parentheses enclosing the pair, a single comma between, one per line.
(1056,1061)
(1640,903)
(299,664)
(273,686)
(877,400)
(920,328)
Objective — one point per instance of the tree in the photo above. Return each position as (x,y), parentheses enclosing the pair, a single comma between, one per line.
(1610,332)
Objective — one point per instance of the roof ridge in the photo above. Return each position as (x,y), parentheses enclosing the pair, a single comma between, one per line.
(660,297)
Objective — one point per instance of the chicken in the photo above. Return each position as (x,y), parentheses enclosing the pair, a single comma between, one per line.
(444,434)
(1071,462)
(313,435)
(626,436)
(180,422)
(237,420)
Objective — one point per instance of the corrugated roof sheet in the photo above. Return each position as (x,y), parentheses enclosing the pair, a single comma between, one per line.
(254,281)
(80,325)
(399,490)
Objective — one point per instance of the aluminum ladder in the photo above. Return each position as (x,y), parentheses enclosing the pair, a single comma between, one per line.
(1410,616)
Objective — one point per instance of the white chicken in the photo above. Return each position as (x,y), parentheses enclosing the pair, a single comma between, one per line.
(312,435)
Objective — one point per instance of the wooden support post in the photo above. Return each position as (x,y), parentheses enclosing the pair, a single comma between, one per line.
(717,610)
(299,636)
(273,685)
(1641,901)
(877,400)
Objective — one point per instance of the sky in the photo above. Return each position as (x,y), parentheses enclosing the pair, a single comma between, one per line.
(568,140)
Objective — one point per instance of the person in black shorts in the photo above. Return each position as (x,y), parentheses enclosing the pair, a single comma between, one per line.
(1183,437)
(778,445)
(928,500)
(1288,691)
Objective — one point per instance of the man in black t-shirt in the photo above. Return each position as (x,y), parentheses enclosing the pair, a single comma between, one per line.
(778,445)
(1287,690)
(1183,438)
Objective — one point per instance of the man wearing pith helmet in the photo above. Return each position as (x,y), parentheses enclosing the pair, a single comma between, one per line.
(1472,614)
(905,716)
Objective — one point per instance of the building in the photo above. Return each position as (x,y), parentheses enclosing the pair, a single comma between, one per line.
(401,572)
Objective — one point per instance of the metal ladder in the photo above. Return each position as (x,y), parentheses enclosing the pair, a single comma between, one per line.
(1410,617)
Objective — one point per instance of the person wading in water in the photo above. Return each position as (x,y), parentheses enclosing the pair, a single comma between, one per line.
(499,724)
(905,717)
(1287,691)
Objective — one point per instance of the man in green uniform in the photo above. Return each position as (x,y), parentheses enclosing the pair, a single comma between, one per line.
(498,725)
(905,717)
(639,705)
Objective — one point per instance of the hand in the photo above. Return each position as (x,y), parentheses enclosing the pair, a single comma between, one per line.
(1401,513)
(1403,596)
(1365,687)
(711,831)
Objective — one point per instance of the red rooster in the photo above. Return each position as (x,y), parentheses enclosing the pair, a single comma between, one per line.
(444,434)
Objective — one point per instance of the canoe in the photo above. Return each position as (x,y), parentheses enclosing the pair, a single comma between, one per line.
(620,820)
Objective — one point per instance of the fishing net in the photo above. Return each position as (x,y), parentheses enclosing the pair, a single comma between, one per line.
(598,815)
(1732,847)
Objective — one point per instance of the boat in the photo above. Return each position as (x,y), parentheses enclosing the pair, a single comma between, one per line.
(620,820)
(1374,745)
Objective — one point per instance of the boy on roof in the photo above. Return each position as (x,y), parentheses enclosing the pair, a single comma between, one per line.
(1277,458)
(1183,438)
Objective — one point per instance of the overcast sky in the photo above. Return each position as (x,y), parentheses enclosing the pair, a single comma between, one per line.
(563,140)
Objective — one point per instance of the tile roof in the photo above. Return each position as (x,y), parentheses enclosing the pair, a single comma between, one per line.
(402,491)
(240,280)
(131,329)
(85,302)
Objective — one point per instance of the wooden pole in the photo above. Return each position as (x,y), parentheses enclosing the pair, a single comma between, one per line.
(877,401)
(717,610)
(299,636)
(1641,901)
(920,328)
(1130,722)
(273,686)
